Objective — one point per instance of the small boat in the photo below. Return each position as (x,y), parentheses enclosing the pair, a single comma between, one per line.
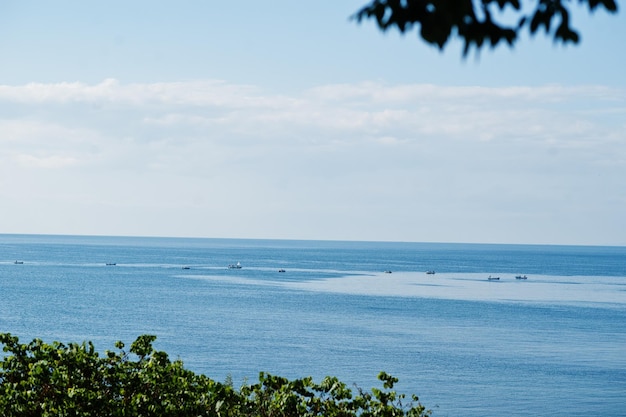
(19,262)
(431,272)
(387,272)
(490,278)
(186,267)
(111,264)
(281,270)
(235,266)
(521,277)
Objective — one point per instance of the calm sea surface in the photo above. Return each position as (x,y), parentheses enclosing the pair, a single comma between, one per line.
(553,344)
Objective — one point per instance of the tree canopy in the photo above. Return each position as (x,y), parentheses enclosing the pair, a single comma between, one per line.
(58,380)
(475,22)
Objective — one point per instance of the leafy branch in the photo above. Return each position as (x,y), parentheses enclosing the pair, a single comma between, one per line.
(473,21)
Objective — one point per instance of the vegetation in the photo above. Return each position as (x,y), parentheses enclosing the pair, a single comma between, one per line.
(40,379)
(474,22)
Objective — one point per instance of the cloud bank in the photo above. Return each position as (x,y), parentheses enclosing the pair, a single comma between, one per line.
(367,161)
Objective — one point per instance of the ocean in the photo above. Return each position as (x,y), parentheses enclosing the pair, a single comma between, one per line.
(551,344)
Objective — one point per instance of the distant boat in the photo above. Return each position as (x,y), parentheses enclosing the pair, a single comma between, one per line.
(186,267)
(431,272)
(281,270)
(521,277)
(387,272)
(19,262)
(236,266)
(111,264)
(490,278)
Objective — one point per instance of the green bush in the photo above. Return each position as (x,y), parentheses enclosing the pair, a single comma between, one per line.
(40,379)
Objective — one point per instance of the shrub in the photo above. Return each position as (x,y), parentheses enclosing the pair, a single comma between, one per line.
(40,379)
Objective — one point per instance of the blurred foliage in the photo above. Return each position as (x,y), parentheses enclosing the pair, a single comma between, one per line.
(473,20)
(45,380)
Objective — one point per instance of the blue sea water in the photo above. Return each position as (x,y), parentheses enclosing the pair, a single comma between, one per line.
(554,344)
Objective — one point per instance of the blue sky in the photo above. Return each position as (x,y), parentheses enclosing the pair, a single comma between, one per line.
(286,120)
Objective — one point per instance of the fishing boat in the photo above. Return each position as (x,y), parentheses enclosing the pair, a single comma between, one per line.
(19,262)
(234,266)
(490,278)
(431,272)
(521,277)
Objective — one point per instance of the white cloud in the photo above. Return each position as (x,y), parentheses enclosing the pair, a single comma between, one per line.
(410,152)
(471,112)
(53,161)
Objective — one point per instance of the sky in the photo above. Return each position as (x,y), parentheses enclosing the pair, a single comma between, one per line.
(287,120)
